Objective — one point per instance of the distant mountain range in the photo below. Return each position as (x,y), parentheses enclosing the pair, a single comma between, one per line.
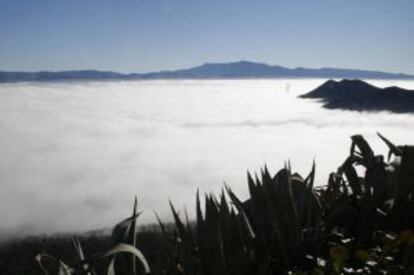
(360,96)
(241,69)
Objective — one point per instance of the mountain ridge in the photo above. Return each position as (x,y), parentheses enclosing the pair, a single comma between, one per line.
(229,70)
(358,95)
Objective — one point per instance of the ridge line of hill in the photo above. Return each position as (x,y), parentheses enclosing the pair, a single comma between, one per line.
(232,70)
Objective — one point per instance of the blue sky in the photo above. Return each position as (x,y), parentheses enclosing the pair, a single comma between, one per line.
(147,35)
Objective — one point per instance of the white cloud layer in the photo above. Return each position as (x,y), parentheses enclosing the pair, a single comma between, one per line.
(73,155)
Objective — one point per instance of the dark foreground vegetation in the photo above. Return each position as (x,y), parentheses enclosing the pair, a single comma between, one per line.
(359,223)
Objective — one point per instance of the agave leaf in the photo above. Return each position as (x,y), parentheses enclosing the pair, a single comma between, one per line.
(63,268)
(266,178)
(203,236)
(285,218)
(127,248)
(198,209)
(224,207)
(211,208)
(214,243)
(200,221)
(179,224)
(291,197)
(132,234)
(63,271)
(42,268)
(352,177)
(111,267)
(122,231)
(289,166)
(252,185)
(187,221)
(256,178)
(393,149)
(365,150)
(266,171)
(38,259)
(234,198)
(125,232)
(78,248)
(311,177)
(163,228)
(247,225)
(81,255)
(239,205)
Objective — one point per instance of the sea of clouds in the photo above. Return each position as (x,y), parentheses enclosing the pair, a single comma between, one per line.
(74,155)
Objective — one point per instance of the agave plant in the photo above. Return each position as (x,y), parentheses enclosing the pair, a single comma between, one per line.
(382,198)
(124,238)
(220,242)
(357,223)
(285,215)
(275,230)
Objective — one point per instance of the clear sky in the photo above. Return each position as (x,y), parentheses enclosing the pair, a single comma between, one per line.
(147,35)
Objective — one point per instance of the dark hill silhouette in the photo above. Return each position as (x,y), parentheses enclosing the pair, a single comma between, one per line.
(241,69)
(361,96)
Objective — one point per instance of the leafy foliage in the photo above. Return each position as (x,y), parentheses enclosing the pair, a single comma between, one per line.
(287,225)
(124,237)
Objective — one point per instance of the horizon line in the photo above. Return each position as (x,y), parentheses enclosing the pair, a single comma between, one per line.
(202,64)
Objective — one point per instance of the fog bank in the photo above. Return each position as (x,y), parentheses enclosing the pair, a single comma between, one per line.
(73,155)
